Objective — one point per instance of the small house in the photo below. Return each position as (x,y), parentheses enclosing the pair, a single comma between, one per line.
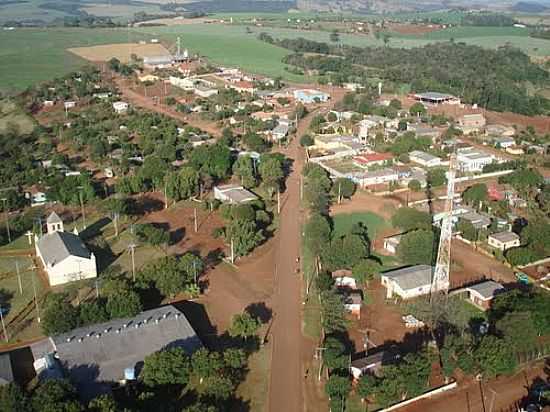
(353,300)
(233,194)
(69,105)
(424,159)
(120,107)
(503,240)
(481,294)
(471,123)
(280,131)
(391,243)
(504,142)
(343,279)
(308,96)
(373,159)
(409,282)
(370,364)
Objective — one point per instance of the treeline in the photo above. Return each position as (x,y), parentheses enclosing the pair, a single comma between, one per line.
(494,79)
(487,19)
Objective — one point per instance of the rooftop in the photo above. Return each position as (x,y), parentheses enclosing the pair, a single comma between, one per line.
(411,277)
(505,237)
(423,155)
(434,96)
(486,289)
(53,218)
(57,246)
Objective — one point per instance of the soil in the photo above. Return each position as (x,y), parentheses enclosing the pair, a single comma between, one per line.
(121,51)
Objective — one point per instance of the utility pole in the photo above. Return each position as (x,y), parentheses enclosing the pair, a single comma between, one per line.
(3,324)
(339,192)
(278,201)
(29,236)
(232,251)
(82,206)
(18,277)
(35,298)
(196,222)
(165,197)
(319,355)
(96,288)
(4,200)
(115,221)
(132,247)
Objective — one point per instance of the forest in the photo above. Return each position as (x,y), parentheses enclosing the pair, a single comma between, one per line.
(495,79)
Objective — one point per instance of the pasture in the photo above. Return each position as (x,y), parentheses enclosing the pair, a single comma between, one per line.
(344,222)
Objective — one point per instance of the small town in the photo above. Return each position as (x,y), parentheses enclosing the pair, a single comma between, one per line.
(366,231)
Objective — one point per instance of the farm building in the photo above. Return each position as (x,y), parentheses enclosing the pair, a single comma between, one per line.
(63,254)
(408,282)
(503,240)
(391,243)
(481,294)
(424,159)
(308,96)
(96,357)
(233,194)
(435,98)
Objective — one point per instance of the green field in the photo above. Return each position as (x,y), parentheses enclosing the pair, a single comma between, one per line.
(12,116)
(345,221)
(28,56)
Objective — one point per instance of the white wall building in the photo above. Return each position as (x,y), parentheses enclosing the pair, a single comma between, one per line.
(120,107)
(408,282)
(63,254)
(473,160)
(503,240)
(424,159)
(233,194)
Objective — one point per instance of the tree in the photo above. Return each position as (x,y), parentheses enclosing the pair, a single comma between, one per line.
(183,184)
(103,403)
(214,160)
(243,168)
(93,312)
(494,357)
(244,325)
(317,234)
(13,399)
(365,270)
(56,396)
(475,195)
(518,329)
(337,387)
(408,218)
(116,206)
(271,172)
(151,234)
(467,230)
(333,314)
(167,367)
(125,304)
(416,247)
(346,251)
(417,109)
(245,236)
(306,141)
(59,315)
(415,185)
(366,385)
(436,177)
(334,355)
(343,187)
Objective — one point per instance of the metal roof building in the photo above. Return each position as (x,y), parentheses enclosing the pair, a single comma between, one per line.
(95,356)
(408,282)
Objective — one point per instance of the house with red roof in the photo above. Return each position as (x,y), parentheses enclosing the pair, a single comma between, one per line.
(372,159)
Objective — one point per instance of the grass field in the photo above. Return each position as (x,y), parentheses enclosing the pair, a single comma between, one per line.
(12,116)
(344,222)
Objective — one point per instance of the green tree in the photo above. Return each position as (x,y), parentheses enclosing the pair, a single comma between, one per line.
(417,109)
(408,218)
(416,247)
(415,185)
(244,325)
(56,396)
(467,229)
(13,399)
(151,234)
(334,355)
(494,357)
(125,304)
(243,168)
(92,312)
(306,141)
(333,314)
(317,234)
(518,329)
(103,403)
(183,184)
(343,187)
(245,236)
(271,173)
(475,195)
(116,206)
(366,385)
(337,387)
(365,270)
(436,177)
(167,367)
(59,315)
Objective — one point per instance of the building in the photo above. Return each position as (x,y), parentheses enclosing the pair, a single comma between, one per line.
(353,300)
(471,123)
(391,243)
(515,150)
(280,131)
(373,159)
(233,194)
(159,62)
(472,160)
(151,78)
(503,240)
(337,142)
(483,293)
(424,159)
(408,282)
(435,98)
(69,105)
(6,369)
(343,279)
(426,131)
(36,196)
(477,220)
(243,87)
(371,363)
(504,142)
(64,256)
(308,96)
(499,130)
(98,357)
(376,177)
(120,107)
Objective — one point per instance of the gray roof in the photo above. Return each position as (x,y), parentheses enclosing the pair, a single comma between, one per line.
(103,354)
(435,96)
(6,371)
(375,360)
(486,289)
(411,277)
(57,246)
(54,218)
(505,237)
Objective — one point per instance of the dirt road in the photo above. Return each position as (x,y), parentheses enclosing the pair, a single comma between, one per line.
(140,100)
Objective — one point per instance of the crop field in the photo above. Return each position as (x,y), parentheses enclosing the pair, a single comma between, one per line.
(121,51)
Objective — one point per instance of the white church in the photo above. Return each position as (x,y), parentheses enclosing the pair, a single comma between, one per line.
(64,255)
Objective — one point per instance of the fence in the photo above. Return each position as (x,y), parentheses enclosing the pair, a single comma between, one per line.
(425,395)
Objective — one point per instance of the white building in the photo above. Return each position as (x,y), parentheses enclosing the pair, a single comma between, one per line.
(233,194)
(408,282)
(473,160)
(376,177)
(424,159)
(481,294)
(120,107)
(343,279)
(504,142)
(472,123)
(391,243)
(63,254)
(503,240)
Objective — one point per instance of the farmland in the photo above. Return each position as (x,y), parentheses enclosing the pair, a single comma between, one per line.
(33,55)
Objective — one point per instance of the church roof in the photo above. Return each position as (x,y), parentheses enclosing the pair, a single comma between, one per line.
(56,247)
(54,218)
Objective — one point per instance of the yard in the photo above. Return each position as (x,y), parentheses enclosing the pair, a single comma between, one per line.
(345,221)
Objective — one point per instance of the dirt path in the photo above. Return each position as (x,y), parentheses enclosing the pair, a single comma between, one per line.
(139,100)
